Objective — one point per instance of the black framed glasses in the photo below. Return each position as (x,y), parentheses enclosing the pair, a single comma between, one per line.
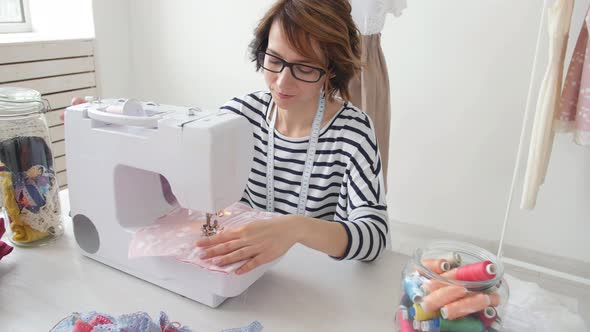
(300,71)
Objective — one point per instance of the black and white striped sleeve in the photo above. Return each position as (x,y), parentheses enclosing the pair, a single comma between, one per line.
(367,219)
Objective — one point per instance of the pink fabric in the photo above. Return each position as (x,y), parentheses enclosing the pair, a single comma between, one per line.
(574,106)
(175,235)
(82,326)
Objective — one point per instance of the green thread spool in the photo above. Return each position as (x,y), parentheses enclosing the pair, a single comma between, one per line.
(465,324)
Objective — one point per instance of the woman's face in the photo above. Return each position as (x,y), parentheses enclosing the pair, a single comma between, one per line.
(287,91)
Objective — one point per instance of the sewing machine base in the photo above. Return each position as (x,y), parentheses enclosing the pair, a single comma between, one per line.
(182,278)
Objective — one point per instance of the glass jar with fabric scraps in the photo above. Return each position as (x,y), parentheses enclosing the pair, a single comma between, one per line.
(28,184)
(452,287)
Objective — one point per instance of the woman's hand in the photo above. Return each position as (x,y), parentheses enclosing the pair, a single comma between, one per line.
(258,242)
(75,101)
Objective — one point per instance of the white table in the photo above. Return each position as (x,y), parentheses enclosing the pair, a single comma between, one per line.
(305,291)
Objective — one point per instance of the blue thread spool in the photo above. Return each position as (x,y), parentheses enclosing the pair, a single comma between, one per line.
(430,326)
(412,288)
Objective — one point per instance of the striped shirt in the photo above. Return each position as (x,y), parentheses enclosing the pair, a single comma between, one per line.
(346,184)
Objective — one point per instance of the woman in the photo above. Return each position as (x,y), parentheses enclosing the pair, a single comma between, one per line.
(309,50)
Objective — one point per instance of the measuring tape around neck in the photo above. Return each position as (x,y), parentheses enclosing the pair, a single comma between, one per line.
(311,150)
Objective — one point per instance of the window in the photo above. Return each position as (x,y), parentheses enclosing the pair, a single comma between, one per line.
(14,16)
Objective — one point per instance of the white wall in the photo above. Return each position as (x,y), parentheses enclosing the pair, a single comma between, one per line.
(459,73)
(112,47)
(193,52)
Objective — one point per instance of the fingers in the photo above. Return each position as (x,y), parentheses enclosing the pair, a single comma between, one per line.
(74,101)
(216,239)
(77,101)
(233,257)
(221,249)
(251,264)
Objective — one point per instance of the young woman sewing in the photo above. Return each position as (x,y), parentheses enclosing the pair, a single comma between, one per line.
(308,50)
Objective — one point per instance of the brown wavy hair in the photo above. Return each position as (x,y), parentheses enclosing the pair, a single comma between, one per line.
(328,22)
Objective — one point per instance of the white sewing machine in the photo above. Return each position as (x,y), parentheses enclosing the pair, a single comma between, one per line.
(117,151)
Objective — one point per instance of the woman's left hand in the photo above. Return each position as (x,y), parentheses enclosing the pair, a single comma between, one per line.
(258,242)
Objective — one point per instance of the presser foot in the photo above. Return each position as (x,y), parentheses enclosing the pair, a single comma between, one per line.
(211,228)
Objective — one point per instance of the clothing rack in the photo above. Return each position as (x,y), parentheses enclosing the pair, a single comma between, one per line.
(526,116)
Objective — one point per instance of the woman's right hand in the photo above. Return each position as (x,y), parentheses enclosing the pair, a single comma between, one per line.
(75,101)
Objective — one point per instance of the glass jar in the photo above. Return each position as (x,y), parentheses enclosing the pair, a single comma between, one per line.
(452,287)
(28,184)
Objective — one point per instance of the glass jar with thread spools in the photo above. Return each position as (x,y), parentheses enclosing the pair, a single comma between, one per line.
(452,287)
(28,185)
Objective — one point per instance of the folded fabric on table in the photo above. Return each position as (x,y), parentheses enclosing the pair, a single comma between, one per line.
(99,322)
(532,308)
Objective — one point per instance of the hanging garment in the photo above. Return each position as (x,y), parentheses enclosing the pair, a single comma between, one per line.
(369,15)
(558,18)
(370,92)
(574,107)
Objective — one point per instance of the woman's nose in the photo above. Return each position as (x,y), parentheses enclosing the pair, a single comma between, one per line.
(285,78)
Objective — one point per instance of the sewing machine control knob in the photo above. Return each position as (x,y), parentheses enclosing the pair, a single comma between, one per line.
(192,111)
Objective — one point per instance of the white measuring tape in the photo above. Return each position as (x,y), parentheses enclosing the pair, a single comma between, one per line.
(311,149)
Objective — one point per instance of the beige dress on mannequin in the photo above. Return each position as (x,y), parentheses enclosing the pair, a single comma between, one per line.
(370,89)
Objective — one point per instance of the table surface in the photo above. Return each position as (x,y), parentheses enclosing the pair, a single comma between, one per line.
(305,291)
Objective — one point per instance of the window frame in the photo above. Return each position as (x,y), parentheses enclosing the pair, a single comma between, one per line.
(26,26)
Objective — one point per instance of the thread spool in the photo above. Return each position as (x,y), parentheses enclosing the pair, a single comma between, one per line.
(466,324)
(451,274)
(412,288)
(404,311)
(436,265)
(417,313)
(468,305)
(488,316)
(479,271)
(406,301)
(404,324)
(442,297)
(429,326)
(454,258)
(429,286)
(130,107)
(416,325)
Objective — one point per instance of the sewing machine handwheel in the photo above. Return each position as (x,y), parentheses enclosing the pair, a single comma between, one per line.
(124,120)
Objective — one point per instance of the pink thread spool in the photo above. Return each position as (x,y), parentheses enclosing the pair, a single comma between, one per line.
(404,324)
(479,271)
(468,305)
